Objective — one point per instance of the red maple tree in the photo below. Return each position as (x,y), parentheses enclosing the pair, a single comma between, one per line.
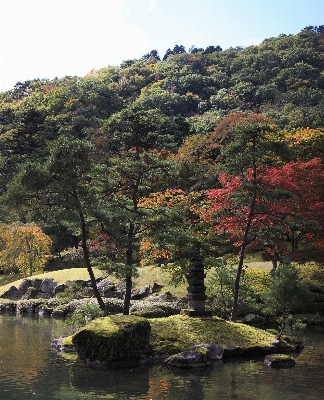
(289,207)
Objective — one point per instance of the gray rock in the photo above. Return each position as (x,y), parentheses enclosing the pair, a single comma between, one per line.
(12,293)
(36,283)
(105,283)
(254,319)
(112,294)
(214,351)
(48,286)
(165,297)
(60,288)
(188,359)
(144,291)
(88,282)
(135,295)
(41,295)
(28,309)
(156,287)
(29,294)
(25,285)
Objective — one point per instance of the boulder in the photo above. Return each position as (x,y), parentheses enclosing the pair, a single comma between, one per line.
(41,295)
(144,291)
(213,351)
(188,359)
(125,341)
(156,287)
(12,293)
(165,297)
(112,294)
(29,294)
(254,319)
(48,286)
(60,288)
(36,283)
(279,361)
(105,283)
(88,282)
(25,285)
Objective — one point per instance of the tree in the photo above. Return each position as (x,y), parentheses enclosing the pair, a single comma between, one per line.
(249,145)
(24,248)
(137,165)
(62,188)
(153,54)
(212,49)
(298,214)
(287,293)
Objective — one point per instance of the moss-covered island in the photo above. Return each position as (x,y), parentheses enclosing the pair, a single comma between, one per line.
(115,340)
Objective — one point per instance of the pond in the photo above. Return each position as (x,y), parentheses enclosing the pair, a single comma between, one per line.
(29,369)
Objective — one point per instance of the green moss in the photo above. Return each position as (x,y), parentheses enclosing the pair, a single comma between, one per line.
(281,358)
(179,332)
(113,339)
(67,342)
(279,361)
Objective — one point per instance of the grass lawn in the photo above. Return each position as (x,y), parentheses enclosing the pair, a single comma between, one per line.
(146,276)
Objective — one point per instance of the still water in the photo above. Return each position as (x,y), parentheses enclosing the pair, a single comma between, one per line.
(30,370)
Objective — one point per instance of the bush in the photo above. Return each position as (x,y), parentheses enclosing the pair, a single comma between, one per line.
(221,286)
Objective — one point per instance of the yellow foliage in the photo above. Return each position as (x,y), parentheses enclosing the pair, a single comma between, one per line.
(24,248)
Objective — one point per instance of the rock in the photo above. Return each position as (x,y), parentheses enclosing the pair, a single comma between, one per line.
(29,294)
(156,287)
(126,340)
(144,291)
(88,282)
(48,286)
(28,309)
(214,351)
(36,283)
(167,297)
(25,285)
(112,294)
(135,295)
(279,361)
(254,319)
(45,311)
(57,346)
(60,288)
(188,359)
(105,283)
(275,344)
(148,310)
(41,295)
(12,293)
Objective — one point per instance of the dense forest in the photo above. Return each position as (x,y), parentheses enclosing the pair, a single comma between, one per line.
(209,150)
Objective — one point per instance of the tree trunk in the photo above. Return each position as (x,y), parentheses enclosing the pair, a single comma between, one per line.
(128,278)
(245,242)
(86,255)
(128,293)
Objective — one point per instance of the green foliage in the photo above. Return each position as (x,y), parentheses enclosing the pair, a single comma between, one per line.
(74,291)
(80,317)
(287,292)
(220,289)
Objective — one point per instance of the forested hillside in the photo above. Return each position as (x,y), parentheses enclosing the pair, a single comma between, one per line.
(146,160)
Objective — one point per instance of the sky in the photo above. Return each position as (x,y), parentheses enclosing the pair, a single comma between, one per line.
(55,38)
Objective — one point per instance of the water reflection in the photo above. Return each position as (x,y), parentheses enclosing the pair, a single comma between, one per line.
(28,368)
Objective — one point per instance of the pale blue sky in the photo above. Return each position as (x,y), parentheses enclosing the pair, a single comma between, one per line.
(49,38)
